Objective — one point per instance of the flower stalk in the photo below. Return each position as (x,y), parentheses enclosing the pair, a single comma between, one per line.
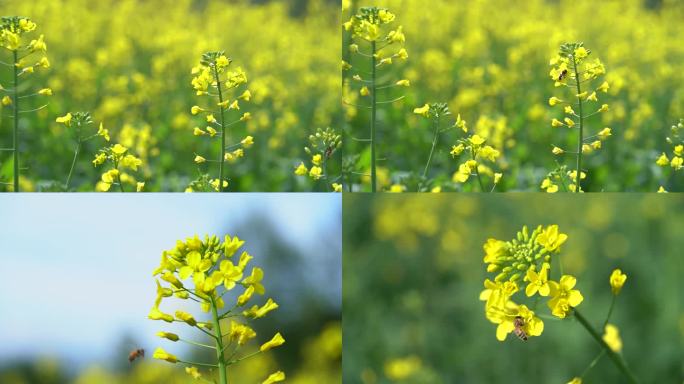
(580,138)
(432,150)
(373,117)
(616,358)
(73,162)
(223,375)
(15,130)
(222,157)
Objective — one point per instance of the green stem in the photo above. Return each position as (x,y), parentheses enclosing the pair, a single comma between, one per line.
(223,377)
(434,144)
(477,171)
(223,129)
(580,140)
(617,359)
(372,127)
(610,312)
(593,363)
(73,163)
(197,344)
(118,179)
(15,132)
(325,175)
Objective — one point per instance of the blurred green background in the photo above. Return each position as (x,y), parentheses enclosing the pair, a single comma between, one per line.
(413,271)
(489,60)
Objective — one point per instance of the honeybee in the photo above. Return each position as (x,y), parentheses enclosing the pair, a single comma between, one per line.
(136,353)
(562,75)
(519,322)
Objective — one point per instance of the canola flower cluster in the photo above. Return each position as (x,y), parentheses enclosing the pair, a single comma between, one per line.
(524,264)
(323,145)
(383,46)
(27,55)
(526,260)
(571,68)
(213,79)
(676,158)
(138,86)
(203,271)
(477,153)
(492,67)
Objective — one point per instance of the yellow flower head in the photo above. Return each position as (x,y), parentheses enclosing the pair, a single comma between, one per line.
(617,280)
(275,378)
(316,172)
(66,119)
(551,239)
(563,297)
(247,141)
(161,354)
(538,282)
(276,341)
(301,170)
(612,338)
(477,140)
(424,110)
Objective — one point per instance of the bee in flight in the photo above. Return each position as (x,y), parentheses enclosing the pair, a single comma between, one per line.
(563,75)
(136,353)
(519,323)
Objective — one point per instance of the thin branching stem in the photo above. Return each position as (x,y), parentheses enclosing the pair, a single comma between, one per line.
(477,171)
(373,116)
(435,122)
(616,358)
(197,344)
(195,363)
(73,162)
(223,128)
(15,131)
(610,312)
(580,139)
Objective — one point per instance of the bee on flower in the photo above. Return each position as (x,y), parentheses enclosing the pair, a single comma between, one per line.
(525,260)
(225,90)
(204,271)
(571,68)
(526,263)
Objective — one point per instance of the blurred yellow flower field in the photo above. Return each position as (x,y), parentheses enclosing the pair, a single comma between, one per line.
(129,64)
(491,62)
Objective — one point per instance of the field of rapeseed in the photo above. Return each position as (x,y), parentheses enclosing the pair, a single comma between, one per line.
(414,273)
(153,119)
(489,95)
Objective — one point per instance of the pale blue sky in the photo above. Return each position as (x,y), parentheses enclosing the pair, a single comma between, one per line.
(76,268)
